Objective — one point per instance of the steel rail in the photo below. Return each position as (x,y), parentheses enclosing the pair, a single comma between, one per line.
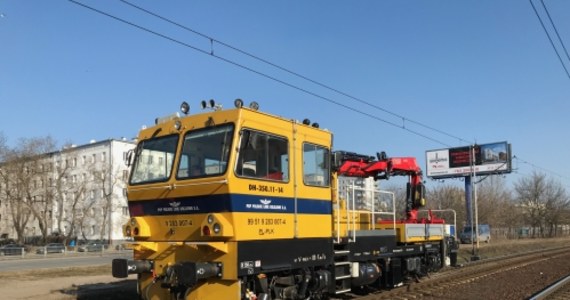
(551,289)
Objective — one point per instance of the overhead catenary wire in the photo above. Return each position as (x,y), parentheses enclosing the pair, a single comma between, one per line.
(540,168)
(214,40)
(306,91)
(212,54)
(555,30)
(403,118)
(549,38)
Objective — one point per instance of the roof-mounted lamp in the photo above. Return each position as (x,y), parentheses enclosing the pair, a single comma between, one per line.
(185,108)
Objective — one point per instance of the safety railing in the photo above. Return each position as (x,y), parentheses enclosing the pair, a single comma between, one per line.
(362,201)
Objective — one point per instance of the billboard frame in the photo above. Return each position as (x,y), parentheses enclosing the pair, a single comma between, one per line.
(491,158)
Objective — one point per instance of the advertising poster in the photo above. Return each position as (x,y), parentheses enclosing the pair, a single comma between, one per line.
(483,159)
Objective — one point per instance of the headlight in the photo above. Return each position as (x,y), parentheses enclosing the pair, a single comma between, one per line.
(217,228)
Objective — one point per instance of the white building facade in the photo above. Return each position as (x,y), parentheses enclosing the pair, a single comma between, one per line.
(83,190)
(361,191)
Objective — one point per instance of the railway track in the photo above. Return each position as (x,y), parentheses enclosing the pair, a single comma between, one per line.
(560,290)
(516,277)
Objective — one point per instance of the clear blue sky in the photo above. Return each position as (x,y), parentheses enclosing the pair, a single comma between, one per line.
(483,71)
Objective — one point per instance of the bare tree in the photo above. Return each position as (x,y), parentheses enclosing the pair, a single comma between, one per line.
(71,208)
(12,193)
(494,201)
(104,183)
(109,180)
(542,201)
(24,178)
(496,207)
(399,198)
(557,203)
(447,197)
(3,146)
(86,205)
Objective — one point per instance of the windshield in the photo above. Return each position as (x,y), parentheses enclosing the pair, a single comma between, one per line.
(154,159)
(205,152)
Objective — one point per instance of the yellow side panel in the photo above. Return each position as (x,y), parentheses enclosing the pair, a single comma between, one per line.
(263,226)
(165,254)
(412,233)
(170,227)
(345,221)
(258,226)
(314,226)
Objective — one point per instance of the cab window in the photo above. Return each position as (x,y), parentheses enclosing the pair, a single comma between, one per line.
(154,159)
(262,156)
(205,152)
(316,165)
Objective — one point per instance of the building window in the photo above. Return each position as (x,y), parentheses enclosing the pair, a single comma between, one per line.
(94,158)
(104,156)
(125,211)
(84,160)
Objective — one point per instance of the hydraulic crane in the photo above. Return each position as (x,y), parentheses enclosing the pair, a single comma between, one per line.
(383,167)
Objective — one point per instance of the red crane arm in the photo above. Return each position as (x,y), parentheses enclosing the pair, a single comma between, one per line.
(355,165)
(381,169)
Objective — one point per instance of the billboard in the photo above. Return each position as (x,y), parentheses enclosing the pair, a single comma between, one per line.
(494,158)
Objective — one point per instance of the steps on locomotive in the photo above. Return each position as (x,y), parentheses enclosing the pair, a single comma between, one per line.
(342,271)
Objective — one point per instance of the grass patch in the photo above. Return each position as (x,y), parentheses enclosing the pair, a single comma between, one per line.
(509,247)
(58,272)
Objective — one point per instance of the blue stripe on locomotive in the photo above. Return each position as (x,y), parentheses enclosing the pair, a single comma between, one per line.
(229,203)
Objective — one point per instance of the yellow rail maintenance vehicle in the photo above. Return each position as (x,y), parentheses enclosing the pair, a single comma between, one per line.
(240,204)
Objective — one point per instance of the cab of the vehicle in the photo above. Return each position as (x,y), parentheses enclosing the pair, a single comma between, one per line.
(224,191)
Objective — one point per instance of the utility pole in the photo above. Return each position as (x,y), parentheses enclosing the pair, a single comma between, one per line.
(473,191)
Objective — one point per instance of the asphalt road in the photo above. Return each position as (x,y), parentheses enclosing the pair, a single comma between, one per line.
(35,261)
